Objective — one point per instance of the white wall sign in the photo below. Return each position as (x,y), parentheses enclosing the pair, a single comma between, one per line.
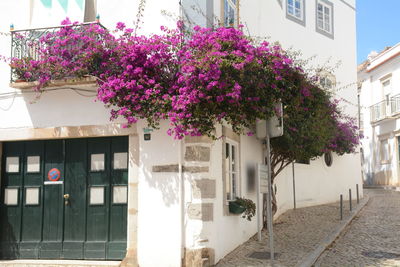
(263,178)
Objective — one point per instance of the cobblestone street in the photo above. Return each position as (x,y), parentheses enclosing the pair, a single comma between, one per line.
(373,238)
(297,233)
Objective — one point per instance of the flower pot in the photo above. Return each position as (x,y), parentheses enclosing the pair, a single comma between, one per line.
(235,208)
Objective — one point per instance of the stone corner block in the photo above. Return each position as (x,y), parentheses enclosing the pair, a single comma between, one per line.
(204,211)
(198,139)
(197,153)
(204,188)
(166,168)
(200,257)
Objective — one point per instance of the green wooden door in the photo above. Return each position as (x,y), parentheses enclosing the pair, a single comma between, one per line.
(82,215)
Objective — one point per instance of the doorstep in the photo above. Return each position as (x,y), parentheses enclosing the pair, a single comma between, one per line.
(58,263)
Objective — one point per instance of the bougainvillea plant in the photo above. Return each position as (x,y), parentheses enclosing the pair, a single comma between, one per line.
(196,81)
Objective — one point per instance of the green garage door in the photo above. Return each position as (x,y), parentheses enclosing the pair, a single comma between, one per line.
(64,199)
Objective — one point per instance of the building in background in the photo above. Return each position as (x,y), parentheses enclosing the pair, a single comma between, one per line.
(379,82)
(135,194)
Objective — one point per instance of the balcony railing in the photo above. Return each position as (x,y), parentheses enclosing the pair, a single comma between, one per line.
(378,111)
(395,105)
(25,44)
(384,109)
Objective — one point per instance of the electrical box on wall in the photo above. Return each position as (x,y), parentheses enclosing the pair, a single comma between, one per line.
(274,125)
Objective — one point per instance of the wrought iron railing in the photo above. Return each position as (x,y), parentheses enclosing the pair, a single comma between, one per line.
(25,44)
(385,109)
(395,105)
(378,111)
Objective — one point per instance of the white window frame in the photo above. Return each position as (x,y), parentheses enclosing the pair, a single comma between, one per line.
(232,170)
(294,13)
(226,5)
(324,18)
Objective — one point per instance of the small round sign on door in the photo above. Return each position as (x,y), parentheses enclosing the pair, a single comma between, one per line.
(54,174)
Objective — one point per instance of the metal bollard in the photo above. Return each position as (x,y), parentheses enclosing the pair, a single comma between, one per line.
(341,207)
(351,208)
(358,195)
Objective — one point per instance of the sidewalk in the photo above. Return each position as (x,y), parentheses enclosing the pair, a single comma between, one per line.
(296,234)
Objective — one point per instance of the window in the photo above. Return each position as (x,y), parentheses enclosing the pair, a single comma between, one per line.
(97,195)
(386,87)
(230,13)
(384,152)
(295,11)
(33,164)
(120,161)
(325,17)
(97,162)
(32,196)
(12,164)
(327,80)
(328,158)
(231,170)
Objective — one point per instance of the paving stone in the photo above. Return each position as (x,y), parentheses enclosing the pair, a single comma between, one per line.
(296,233)
(372,239)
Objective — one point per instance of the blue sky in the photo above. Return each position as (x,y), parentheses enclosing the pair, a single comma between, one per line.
(378,26)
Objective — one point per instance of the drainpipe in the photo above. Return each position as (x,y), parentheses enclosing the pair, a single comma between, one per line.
(182,200)
(181,180)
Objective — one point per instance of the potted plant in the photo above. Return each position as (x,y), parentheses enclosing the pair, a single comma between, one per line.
(243,206)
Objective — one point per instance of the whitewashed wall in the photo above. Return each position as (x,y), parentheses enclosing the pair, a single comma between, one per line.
(159,207)
(371,93)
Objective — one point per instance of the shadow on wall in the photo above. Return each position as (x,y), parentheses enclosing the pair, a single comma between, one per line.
(60,107)
(383,177)
(165,180)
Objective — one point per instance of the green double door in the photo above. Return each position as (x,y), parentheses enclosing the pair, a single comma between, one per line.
(64,199)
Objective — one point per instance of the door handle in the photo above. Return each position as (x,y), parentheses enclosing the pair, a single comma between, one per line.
(66,197)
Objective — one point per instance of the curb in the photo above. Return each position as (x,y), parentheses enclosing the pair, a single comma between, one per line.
(384,187)
(312,257)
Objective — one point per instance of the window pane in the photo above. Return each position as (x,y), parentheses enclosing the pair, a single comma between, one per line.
(226,150)
(11,196)
(327,27)
(298,13)
(97,195)
(97,162)
(233,153)
(33,163)
(297,4)
(32,196)
(12,164)
(120,194)
(234,186)
(327,11)
(120,161)
(228,185)
(290,10)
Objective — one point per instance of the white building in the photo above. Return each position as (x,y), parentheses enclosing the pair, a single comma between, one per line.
(157,202)
(380,105)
